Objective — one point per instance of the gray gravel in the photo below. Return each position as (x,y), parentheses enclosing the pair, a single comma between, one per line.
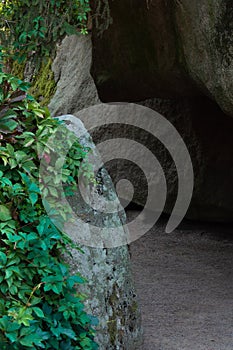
(184,282)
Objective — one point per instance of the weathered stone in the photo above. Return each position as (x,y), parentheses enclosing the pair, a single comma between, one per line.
(206,37)
(109,288)
(138,56)
(75,86)
(206,131)
(165,49)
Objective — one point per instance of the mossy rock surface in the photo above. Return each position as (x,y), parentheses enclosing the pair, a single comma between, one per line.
(41,77)
(43,84)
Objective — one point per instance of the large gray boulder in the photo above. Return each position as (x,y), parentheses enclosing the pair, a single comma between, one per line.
(207,133)
(164,49)
(71,67)
(109,289)
(206,37)
(205,129)
(110,293)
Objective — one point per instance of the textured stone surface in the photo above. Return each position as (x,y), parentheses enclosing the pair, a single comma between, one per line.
(138,56)
(206,131)
(205,128)
(206,36)
(109,290)
(75,86)
(165,49)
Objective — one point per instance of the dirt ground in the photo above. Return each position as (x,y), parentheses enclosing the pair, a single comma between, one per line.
(184,282)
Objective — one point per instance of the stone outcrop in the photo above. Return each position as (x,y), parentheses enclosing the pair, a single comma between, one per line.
(109,289)
(200,122)
(205,129)
(75,86)
(164,49)
(206,38)
(176,55)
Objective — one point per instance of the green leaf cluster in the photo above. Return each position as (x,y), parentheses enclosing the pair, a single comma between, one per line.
(40,307)
(33,27)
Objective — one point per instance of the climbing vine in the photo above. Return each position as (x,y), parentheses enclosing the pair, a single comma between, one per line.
(40,306)
(31,28)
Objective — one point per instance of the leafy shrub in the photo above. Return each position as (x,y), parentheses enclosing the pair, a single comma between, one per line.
(33,27)
(40,307)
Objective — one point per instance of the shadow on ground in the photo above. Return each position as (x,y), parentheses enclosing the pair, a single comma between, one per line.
(184,282)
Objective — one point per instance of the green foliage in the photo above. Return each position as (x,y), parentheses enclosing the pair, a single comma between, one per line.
(40,307)
(33,27)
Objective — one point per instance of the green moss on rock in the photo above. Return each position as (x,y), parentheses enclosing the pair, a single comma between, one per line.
(18,69)
(112,330)
(43,85)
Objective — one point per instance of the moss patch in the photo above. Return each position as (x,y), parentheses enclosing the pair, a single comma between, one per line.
(122,312)
(44,86)
(18,69)
(112,330)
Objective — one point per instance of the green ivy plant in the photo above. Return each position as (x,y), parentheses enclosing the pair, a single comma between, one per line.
(30,28)
(40,306)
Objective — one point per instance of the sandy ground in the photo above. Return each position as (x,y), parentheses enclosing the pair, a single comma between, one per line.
(184,282)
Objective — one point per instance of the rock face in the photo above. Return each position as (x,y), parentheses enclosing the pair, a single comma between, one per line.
(205,129)
(179,53)
(165,49)
(109,288)
(137,56)
(75,86)
(206,37)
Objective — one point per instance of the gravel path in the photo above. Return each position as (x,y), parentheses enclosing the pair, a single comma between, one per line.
(184,282)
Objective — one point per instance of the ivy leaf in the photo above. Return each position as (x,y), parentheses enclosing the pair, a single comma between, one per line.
(23,37)
(5,213)
(33,197)
(38,312)
(39,298)
(3,258)
(28,340)
(39,112)
(12,336)
(69,332)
